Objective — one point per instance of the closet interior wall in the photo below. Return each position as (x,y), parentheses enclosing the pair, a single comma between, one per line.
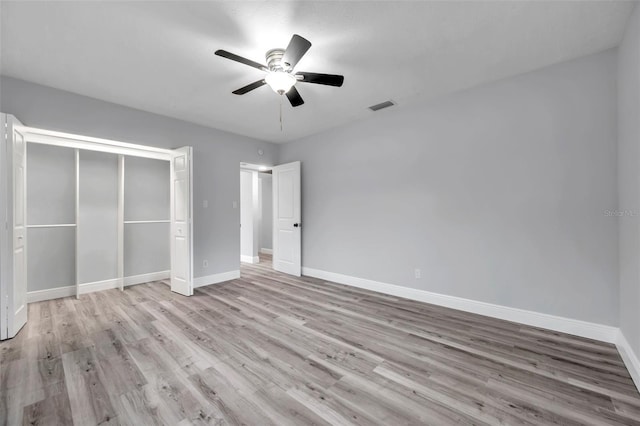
(146,218)
(51,218)
(95,220)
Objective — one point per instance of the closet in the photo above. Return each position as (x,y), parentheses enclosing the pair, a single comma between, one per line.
(84,214)
(90,214)
(94,219)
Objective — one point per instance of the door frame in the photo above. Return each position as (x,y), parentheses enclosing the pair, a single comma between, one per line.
(6,208)
(67,140)
(295,166)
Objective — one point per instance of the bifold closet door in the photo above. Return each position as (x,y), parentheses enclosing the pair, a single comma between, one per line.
(98,218)
(146,219)
(51,218)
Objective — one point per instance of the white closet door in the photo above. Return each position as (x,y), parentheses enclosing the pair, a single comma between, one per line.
(287,242)
(181,223)
(17,297)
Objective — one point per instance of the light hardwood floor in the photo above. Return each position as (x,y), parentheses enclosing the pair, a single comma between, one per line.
(273,349)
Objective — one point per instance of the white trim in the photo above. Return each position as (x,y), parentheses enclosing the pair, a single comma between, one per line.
(127,222)
(69,140)
(630,358)
(147,278)
(120,230)
(59,225)
(99,286)
(56,293)
(51,293)
(216,278)
(6,235)
(266,251)
(249,259)
(580,328)
(77,248)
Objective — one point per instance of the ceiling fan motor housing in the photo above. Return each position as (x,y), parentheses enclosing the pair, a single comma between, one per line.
(274,60)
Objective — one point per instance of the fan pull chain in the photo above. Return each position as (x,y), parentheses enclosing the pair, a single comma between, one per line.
(281,113)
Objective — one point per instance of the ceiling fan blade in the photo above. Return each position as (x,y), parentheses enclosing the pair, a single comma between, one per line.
(298,46)
(326,79)
(240,59)
(294,97)
(249,87)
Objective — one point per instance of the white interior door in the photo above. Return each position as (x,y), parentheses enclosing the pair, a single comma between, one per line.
(15,288)
(287,247)
(181,223)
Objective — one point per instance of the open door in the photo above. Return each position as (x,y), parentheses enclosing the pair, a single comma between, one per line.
(181,223)
(287,247)
(14,265)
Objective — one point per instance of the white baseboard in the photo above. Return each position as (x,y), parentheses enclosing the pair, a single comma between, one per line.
(99,286)
(630,358)
(56,293)
(580,328)
(50,294)
(216,278)
(249,259)
(266,251)
(147,278)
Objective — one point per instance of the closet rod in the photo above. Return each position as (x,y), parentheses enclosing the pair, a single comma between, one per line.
(147,221)
(57,225)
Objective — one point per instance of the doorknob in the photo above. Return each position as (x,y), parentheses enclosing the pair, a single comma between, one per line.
(295,225)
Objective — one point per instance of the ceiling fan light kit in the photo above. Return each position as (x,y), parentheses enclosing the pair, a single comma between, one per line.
(279,69)
(280,81)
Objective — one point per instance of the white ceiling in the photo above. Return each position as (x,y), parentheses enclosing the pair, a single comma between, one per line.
(158,56)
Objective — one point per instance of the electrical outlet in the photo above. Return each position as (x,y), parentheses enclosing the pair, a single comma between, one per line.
(205,203)
(205,263)
(235,204)
(418,273)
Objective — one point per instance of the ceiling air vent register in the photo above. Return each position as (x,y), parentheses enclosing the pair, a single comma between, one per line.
(378,107)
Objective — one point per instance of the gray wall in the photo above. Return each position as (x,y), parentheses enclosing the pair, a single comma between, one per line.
(51,258)
(51,197)
(51,185)
(266,206)
(497,193)
(146,248)
(97,217)
(146,189)
(146,198)
(216,156)
(629,180)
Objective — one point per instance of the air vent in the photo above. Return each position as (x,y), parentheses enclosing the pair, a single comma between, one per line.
(385,104)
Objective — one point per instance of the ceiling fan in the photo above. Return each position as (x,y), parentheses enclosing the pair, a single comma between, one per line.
(280,76)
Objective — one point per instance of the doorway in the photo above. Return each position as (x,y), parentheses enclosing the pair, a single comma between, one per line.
(270,215)
(256,213)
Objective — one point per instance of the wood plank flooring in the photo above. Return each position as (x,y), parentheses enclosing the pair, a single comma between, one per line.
(269,349)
